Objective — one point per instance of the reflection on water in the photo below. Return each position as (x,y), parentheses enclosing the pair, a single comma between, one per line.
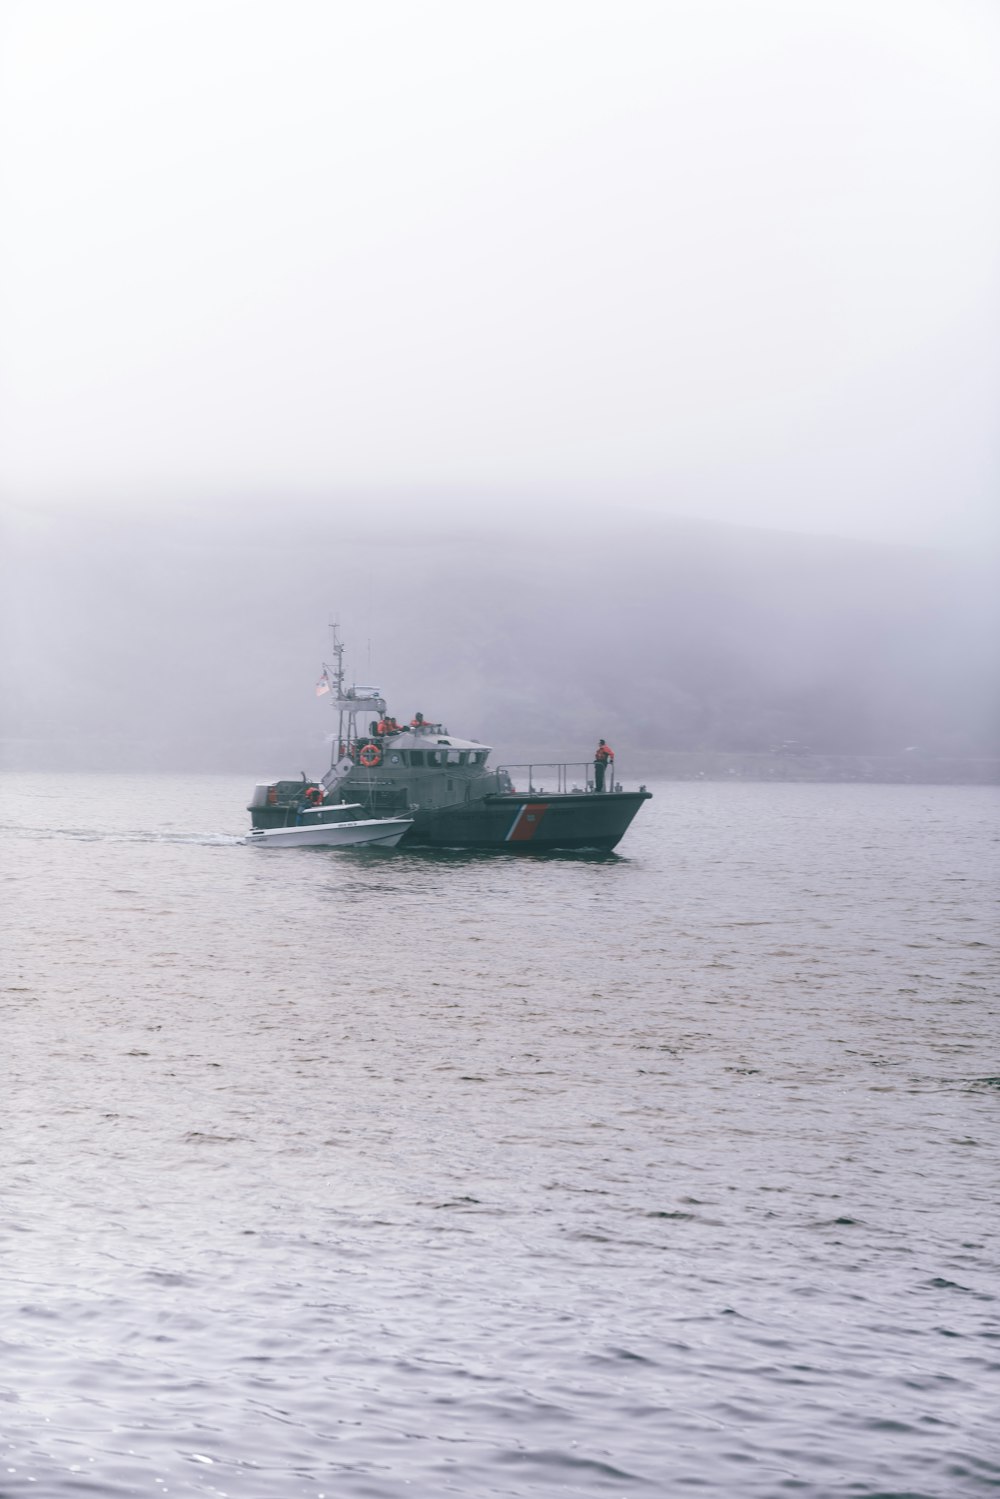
(356,1173)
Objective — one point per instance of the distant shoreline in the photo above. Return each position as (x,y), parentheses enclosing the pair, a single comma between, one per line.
(906,769)
(138,757)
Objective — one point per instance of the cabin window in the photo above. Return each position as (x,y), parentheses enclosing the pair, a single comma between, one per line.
(434,757)
(477,757)
(416,757)
(454,757)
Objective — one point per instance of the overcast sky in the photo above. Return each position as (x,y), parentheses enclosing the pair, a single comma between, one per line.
(735,259)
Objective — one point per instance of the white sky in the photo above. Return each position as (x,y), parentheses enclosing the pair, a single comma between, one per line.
(737,259)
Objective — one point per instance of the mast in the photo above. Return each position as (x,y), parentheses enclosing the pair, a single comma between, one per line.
(348,703)
(337,647)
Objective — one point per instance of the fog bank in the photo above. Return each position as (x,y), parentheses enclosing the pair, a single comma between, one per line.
(170,645)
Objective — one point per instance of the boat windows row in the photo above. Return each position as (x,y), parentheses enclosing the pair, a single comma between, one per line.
(435,757)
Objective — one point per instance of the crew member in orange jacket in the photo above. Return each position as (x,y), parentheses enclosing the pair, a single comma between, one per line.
(604,756)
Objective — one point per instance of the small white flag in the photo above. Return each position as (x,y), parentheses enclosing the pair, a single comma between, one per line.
(322,686)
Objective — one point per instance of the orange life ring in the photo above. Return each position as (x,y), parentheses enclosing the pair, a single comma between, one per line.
(370,755)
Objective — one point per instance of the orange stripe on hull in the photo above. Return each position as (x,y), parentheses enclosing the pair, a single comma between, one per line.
(525,824)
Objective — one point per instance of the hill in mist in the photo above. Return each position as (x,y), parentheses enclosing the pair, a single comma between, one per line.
(175,644)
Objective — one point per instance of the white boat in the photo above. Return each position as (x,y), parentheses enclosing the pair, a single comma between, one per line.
(339,826)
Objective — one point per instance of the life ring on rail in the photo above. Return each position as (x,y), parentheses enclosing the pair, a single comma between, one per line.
(370,755)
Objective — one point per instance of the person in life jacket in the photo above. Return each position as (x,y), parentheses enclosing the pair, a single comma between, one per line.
(391,726)
(382,727)
(603,756)
(417,721)
(314,796)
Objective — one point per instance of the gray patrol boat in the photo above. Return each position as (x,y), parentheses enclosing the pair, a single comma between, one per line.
(444,785)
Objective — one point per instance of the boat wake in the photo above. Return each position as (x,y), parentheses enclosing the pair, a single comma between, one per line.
(101,835)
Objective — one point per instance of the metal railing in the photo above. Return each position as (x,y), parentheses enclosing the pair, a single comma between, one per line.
(569,775)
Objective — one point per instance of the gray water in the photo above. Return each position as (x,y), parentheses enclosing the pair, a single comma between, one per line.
(371,1174)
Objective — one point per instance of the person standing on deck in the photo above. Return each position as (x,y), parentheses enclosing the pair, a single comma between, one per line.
(604,756)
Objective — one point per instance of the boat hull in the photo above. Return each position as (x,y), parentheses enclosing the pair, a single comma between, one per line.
(528,824)
(382,832)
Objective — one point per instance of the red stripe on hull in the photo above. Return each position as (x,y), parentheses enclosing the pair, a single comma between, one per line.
(525,824)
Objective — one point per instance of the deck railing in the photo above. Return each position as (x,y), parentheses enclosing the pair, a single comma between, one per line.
(568,775)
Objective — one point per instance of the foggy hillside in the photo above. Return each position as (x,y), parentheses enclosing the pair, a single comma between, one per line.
(180,645)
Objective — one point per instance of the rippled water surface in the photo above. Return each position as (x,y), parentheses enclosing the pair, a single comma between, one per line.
(333,1174)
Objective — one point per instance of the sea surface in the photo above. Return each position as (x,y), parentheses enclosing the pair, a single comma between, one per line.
(360,1175)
